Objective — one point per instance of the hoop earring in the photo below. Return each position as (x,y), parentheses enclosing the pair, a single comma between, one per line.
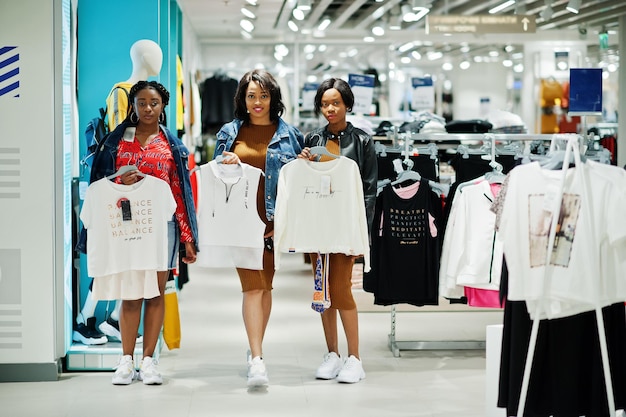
(130,117)
(161,118)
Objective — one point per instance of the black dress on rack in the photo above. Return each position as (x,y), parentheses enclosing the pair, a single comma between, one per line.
(405,248)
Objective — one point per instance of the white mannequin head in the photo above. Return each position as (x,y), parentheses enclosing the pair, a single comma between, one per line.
(147,58)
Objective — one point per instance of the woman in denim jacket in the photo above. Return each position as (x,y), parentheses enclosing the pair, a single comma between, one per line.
(143,140)
(259,137)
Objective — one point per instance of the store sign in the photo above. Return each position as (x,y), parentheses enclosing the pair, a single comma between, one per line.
(481,24)
(423,96)
(585,91)
(363,89)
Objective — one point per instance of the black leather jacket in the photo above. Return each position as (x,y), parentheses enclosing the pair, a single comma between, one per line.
(358,146)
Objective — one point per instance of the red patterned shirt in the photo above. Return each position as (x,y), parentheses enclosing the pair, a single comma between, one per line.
(156,159)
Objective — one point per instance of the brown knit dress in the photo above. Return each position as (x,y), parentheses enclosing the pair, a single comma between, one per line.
(251,148)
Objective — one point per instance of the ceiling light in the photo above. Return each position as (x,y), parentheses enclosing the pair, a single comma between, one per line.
(324,23)
(405,60)
(447,66)
(368,39)
(247,13)
(245,34)
(416,55)
(434,55)
(420,12)
(292,25)
(378,29)
(298,14)
(465,64)
(304,5)
(378,13)
(407,13)
(406,47)
(252,2)
(507,63)
(573,6)
(246,25)
(501,6)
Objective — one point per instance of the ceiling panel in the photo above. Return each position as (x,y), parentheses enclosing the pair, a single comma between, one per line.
(217,23)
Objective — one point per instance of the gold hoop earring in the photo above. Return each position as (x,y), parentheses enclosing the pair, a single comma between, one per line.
(130,117)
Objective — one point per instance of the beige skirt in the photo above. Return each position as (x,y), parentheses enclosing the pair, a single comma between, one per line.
(129,285)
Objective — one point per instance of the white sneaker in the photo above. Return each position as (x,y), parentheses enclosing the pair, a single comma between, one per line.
(124,371)
(148,372)
(352,371)
(329,369)
(257,375)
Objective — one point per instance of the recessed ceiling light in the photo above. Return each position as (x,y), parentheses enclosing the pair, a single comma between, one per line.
(501,6)
(248,13)
(573,6)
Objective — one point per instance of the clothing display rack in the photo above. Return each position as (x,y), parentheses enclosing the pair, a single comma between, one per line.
(481,140)
(573,145)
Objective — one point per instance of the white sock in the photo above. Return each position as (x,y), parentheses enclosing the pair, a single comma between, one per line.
(115,314)
(89,309)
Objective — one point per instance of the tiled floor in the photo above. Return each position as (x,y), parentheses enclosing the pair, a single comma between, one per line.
(206,376)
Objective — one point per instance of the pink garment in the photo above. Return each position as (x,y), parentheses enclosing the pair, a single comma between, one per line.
(478,297)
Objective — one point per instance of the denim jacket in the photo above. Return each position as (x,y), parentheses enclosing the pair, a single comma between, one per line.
(104,165)
(285,146)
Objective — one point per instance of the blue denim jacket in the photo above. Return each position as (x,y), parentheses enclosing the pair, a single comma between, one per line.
(104,165)
(285,146)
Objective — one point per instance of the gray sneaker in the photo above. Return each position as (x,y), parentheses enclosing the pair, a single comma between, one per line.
(329,369)
(257,374)
(124,371)
(352,371)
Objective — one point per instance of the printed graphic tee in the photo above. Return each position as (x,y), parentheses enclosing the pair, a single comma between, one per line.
(135,241)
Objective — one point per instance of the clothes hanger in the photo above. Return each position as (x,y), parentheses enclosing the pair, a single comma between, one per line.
(407,175)
(321,150)
(124,169)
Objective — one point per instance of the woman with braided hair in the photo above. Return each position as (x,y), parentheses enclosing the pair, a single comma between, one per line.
(143,140)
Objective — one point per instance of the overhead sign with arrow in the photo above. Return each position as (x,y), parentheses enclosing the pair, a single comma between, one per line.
(480,24)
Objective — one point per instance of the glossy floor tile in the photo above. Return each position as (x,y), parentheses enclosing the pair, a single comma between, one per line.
(206,376)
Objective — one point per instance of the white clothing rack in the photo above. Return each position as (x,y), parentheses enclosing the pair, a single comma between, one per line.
(398,345)
(571,149)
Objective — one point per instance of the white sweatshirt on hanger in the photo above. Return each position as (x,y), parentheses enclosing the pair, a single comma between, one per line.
(320,208)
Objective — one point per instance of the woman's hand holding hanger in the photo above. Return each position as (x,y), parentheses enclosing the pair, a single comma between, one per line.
(229,158)
(306,154)
(131,177)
